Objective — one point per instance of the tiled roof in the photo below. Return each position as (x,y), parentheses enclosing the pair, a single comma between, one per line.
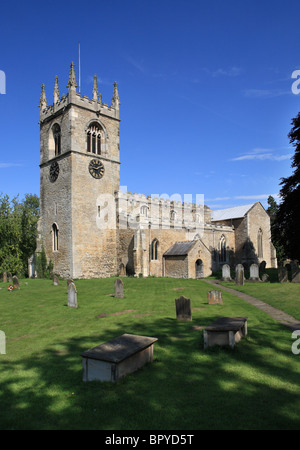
(230,213)
(180,248)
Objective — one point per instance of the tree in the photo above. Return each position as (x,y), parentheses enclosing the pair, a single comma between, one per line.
(18,230)
(10,235)
(288,214)
(30,210)
(273,211)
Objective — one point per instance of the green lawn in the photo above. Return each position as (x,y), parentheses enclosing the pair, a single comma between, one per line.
(254,386)
(284,296)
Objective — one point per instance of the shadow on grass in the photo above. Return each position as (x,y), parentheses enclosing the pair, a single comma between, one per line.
(253,386)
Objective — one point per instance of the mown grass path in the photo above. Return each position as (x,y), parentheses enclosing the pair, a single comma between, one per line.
(277,314)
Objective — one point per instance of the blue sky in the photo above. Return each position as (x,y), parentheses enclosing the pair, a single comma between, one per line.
(205,90)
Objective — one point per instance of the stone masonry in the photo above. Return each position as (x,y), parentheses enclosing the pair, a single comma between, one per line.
(90,228)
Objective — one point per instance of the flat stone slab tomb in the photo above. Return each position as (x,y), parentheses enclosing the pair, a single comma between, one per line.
(225,331)
(115,359)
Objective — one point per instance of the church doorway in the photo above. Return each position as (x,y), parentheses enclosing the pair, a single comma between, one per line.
(199,268)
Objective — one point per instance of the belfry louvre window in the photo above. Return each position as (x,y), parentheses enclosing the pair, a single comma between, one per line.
(57,139)
(94,139)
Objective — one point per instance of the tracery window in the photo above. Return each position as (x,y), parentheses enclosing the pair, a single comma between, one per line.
(94,139)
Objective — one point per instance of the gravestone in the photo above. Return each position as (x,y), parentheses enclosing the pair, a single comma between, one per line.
(262,267)
(295,271)
(225,331)
(183,308)
(72,295)
(4,277)
(239,275)
(283,274)
(254,273)
(226,273)
(122,270)
(119,288)
(265,278)
(215,297)
(117,358)
(10,280)
(55,281)
(16,284)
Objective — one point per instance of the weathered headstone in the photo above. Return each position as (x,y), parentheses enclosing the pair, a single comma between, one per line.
(122,270)
(262,267)
(294,267)
(254,273)
(239,275)
(283,274)
(183,308)
(265,278)
(10,280)
(215,297)
(16,284)
(295,271)
(119,288)
(117,358)
(55,281)
(226,273)
(72,295)
(4,277)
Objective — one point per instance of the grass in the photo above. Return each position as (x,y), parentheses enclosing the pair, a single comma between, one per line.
(254,386)
(284,296)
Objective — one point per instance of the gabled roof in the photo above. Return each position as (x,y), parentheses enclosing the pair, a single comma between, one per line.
(231,213)
(180,248)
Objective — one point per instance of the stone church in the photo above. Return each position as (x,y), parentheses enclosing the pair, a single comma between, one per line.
(90,228)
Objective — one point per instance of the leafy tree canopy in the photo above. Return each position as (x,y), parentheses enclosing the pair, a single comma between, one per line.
(18,232)
(288,214)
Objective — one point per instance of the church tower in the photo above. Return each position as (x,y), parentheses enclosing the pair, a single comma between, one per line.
(79,175)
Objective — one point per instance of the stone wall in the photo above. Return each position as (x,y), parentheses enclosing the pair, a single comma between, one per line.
(176,267)
(82,207)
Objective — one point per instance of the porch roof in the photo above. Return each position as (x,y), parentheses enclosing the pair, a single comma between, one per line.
(180,248)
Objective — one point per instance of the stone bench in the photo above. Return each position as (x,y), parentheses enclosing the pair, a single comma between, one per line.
(225,331)
(115,359)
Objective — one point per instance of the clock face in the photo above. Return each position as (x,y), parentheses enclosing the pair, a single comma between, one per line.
(96,168)
(54,171)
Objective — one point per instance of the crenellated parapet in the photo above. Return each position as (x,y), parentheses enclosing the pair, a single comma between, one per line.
(140,211)
(93,104)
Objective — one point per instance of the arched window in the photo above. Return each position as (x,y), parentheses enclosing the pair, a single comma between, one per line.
(57,139)
(173,214)
(93,139)
(154,249)
(55,237)
(260,243)
(144,210)
(222,250)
